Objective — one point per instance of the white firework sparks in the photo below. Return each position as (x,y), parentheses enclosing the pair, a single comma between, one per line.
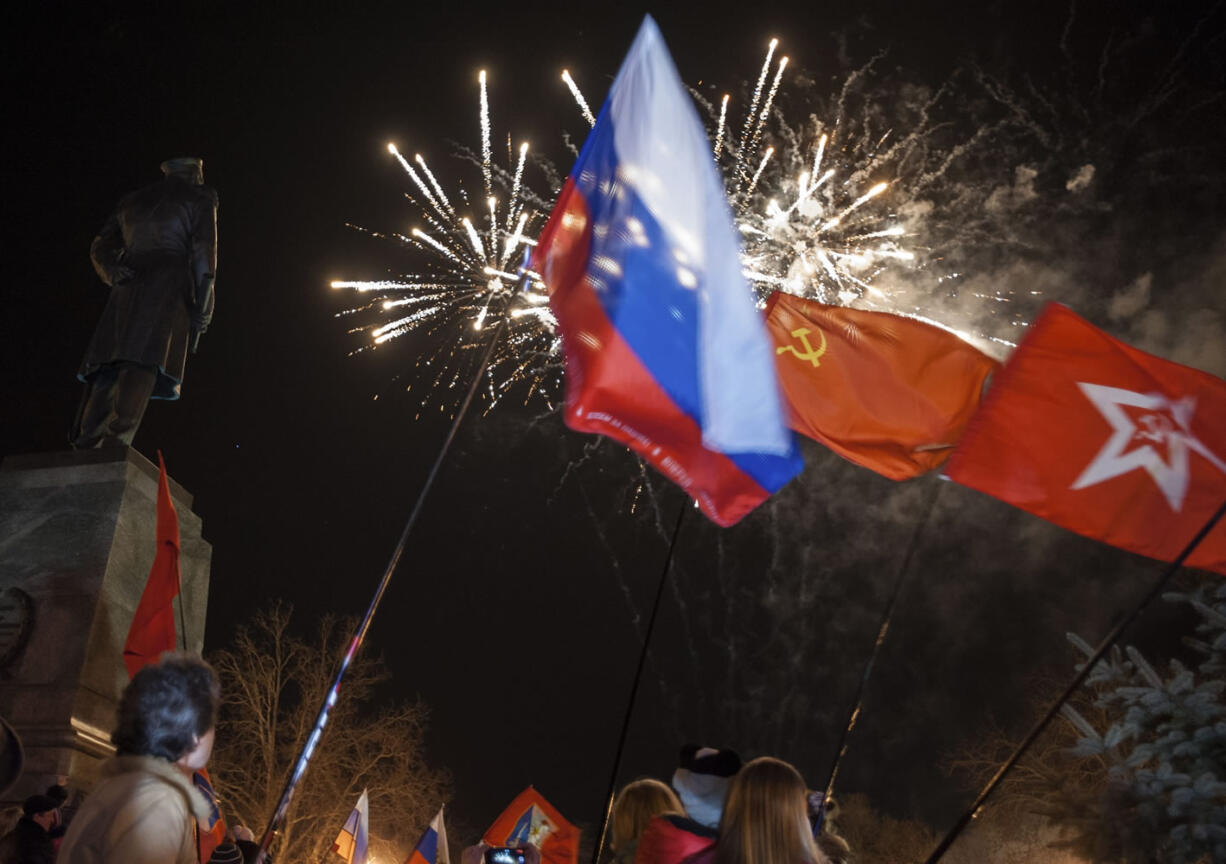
(471,273)
(809,233)
(816,208)
(574,91)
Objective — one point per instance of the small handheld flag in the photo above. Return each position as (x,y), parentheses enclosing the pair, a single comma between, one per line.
(665,350)
(213,833)
(354,839)
(532,819)
(432,847)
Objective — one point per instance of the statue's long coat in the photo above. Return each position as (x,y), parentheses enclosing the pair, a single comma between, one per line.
(166,234)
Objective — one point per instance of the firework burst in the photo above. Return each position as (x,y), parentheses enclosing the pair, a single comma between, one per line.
(819,207)
(471,274)
(808,219)
(840,207)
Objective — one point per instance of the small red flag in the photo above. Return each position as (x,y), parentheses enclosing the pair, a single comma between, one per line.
(884,391)
(153,626)
(211,833)
(532,819)
(1103,439)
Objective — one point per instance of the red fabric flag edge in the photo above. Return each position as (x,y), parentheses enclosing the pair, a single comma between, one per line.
(152,631)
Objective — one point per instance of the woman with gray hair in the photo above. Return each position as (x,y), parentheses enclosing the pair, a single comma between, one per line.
(146,807)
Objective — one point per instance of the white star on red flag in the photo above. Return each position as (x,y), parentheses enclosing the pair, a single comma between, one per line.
(1167,422)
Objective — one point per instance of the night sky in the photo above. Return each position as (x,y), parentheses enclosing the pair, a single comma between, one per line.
(530,573)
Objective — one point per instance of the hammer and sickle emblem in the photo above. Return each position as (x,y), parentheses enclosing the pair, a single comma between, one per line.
(810,353)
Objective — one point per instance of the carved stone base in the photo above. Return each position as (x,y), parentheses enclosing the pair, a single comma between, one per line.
(77,539)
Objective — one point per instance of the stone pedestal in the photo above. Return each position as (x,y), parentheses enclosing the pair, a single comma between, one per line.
(77,540)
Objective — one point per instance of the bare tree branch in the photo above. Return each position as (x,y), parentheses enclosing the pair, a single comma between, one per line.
(272,685)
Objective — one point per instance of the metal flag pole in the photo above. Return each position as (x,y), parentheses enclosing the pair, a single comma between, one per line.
(887,616)
(634,686)
(1099,652)
(304,756)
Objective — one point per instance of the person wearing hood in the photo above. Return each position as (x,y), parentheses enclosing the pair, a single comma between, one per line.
(146,808)
(31,841)
(701,783)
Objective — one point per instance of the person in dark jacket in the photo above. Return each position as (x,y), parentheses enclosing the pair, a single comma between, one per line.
(158,254)
(58,792)
(31,842)
(251,851)
(227,852)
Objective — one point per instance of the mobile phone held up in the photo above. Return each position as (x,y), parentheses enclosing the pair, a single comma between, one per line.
(504,855)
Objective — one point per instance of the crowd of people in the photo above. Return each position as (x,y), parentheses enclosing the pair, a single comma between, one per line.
(147,809)
(718,811)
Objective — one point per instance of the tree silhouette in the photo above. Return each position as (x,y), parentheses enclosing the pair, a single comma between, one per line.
(272,685)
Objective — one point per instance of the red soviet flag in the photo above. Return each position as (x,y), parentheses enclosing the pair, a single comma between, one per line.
(1103,439)
(153,626)
(884,391)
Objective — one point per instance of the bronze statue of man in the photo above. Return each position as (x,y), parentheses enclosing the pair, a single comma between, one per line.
(158,254)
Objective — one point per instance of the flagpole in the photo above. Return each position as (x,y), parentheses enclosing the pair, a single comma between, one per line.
(634,686)
(1072,688)
(182,619)
(359,635)
(886,617)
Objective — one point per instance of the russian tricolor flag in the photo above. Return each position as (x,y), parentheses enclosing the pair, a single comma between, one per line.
(353,841)
(665,349)
(432,847)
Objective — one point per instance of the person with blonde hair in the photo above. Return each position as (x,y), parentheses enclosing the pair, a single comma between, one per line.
(701,783)
(765,819)
(633,808)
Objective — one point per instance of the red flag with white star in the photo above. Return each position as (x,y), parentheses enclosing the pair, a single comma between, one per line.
(1103,439)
